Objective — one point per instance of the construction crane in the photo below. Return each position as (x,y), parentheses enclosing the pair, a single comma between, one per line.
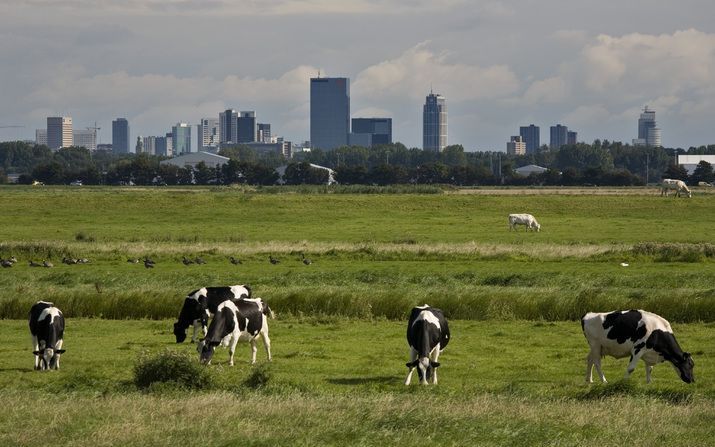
(96,130)
(8,126)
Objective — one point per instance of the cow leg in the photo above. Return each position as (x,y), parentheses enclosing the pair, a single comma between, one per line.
(413,357)
(36,348)
(231,350)
(589,369)
(648,370)
(58,345)
(254,349)
(267,344)
(198,326)
(435,356)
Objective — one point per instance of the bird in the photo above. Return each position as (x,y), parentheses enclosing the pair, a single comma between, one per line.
(47,264)
(273,260)
(149,260)
(34,264)
(5,263)
(82,261)
(148,263)
(306,261)
(234,261)
(624,264)
(12,259)
(200,260)
(186,260)
(69,261)
(133,261)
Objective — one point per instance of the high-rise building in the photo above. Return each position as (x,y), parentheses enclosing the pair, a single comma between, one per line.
(41,137)
(228,127)
(530,135)
(329,112)
(181,137)
(149,144)
(648,131)
(162,145)
(59,132)
(379,129)
(120,136)
(208,134)
(247,127)
(85,138)
(559,136)
(571,137)
(264,133)
(434,123)
(516,146)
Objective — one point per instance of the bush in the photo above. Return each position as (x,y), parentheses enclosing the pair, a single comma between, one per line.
(259,378)
(171,369)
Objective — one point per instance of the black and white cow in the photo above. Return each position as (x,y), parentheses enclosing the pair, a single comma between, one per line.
(427,335)
(635,333)
(47,326)
(200,304)
(244,319)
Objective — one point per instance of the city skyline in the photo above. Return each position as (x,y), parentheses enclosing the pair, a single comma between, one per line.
(592,67)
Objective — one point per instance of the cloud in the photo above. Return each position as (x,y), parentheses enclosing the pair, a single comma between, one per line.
(547,91)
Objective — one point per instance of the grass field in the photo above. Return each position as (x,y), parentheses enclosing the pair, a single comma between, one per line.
(513,374)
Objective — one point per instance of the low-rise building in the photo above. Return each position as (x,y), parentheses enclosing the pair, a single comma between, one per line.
(192,159)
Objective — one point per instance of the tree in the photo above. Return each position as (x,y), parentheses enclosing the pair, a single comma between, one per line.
(675,171)
(703,173)
(304,173)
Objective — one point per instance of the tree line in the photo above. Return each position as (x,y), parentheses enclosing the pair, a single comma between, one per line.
(600,163)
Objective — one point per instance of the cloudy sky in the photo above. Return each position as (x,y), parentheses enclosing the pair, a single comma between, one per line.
(500,64)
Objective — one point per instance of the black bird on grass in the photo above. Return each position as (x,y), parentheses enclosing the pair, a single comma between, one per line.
(148,263)
(234,261)
(47,264)
(5,263)
(273,260)
(34,264)
(200,260)
(306,261)
(186,261)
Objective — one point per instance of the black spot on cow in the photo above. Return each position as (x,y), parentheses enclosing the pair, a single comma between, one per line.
(624,326)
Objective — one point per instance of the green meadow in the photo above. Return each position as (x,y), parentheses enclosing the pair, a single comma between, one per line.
(513,373)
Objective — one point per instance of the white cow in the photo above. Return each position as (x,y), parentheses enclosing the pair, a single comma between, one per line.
(678,185)
(523,219)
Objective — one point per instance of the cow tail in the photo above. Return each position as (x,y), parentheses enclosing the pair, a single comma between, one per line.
(267,311)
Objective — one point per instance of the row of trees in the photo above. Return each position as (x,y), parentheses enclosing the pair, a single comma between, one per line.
(600,163)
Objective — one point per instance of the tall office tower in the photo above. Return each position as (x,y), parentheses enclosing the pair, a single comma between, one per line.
(208,134)
(530,134)
(41,137)
(247,127)
(228,126)
(379,129)
(181,137)
(434,123)
(264,132)
(59,131)
(571,137)
(559,136)
(329,112)
(516,146)
(162,145)
(85,138)
(648,132)
(120,136)
(149,144)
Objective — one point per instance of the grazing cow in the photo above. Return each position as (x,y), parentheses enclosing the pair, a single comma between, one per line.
(678,185)
(47,326)
(635,333)
(237,320)
(200,304)
(523,219)
(427,335)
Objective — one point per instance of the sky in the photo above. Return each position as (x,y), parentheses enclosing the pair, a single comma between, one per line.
(591,66)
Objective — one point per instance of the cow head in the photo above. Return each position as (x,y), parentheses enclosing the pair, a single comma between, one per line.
(206,350)
(48,357)
(684,367)
(179,332)
(425,367)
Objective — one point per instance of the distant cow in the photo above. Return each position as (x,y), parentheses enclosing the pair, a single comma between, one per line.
(678,185)
(427,335)
(200,304)
(523,219)
(47,326)
(237,320)
(635,333)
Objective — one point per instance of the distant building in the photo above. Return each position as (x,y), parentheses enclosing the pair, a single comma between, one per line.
(85,138)
(379,130)
(149,145)
(530,169)
(559,136)
(264,133)
(106,147)
(163,146)
(690,162)
(208,134)
(530,136)
(282,147)
(571,137)
(516,146)
(41,137)
(228,126)
(120,136)
(247,127)
(59,132)
(360,139)
(434,123)
(181,137)
(648,131)
(329,112)
(191,160)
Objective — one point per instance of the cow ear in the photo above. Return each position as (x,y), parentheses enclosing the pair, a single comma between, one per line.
(37,352)
(60,351)
(412,364)
(434,364)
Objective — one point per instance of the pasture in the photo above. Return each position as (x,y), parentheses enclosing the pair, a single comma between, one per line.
(513,374)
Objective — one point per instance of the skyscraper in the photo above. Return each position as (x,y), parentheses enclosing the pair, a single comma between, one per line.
(434,123)
(85,138)
(181,136)
(208,134)
(379,129)
(264,132)
(559,136)
(120,136)
(59,132)
(247,127)
(530,135)
(228,126)
(41,136)
(516,146)
(571,137)
(329,112)
(648,132)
